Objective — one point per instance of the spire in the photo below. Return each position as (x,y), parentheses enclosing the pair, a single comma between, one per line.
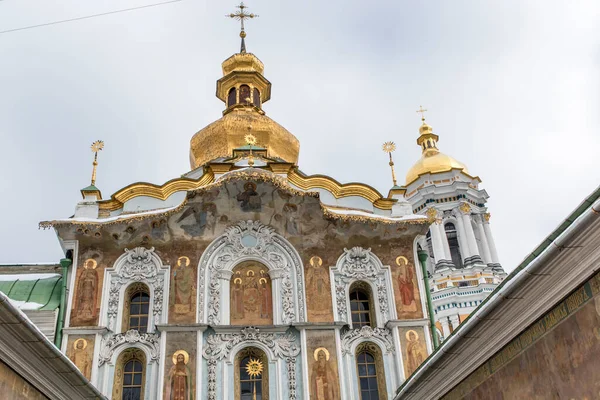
(390,147)
(242,15)
(92,192)
(97,146)
(427,139)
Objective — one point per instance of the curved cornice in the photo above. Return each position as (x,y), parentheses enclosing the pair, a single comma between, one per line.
(162,192)
(294,177)
(339,190)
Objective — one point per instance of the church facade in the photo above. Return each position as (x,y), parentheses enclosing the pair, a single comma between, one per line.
(245,278)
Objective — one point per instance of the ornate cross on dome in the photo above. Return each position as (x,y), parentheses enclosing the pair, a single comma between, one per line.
(422,111)
(242,15)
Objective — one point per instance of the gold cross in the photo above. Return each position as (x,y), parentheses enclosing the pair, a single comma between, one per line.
(422,111)
(241,16)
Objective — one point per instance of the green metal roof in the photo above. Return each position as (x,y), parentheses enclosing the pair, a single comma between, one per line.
(44,291)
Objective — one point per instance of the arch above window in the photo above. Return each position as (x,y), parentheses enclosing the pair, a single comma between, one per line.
(130,375)
(370,372)
(256,97)
(251,375)
(231,97)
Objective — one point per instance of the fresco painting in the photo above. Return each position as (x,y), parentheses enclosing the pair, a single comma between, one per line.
(414,348)
(80,350)
(251,295)
(406,287)
(86,302)
(318,291)
(182,302)
(180,366)
(322,365)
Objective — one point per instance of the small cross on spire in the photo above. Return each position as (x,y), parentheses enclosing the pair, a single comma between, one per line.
(242,15)
(422,111)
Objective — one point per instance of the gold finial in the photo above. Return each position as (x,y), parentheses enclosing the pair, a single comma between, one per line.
(390,147)
(250,141)
(97,146)
(422,111)
(242,15)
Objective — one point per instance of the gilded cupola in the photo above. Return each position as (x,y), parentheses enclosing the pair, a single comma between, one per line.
(243,88)
(432,159)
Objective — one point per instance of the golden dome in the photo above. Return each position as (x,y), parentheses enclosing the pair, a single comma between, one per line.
(220,138)
(432,161)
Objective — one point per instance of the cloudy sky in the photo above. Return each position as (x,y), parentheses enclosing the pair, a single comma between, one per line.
(512,88)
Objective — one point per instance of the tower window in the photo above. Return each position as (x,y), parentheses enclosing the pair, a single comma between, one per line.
(231,97)
(244,94)
(452,237)
(256,97)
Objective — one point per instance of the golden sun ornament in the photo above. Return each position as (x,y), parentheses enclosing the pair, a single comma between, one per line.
(389,147)
(97,146)
(254,368)
(250,139)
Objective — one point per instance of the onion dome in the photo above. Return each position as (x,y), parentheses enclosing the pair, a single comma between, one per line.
(432,160)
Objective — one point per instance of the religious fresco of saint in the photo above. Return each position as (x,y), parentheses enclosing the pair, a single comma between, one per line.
(322,365)
(182,302)
(180,366)
(318,291)
(86,302)
(414,348)
(80,350)
(251,295)
(558,356)
(406,288)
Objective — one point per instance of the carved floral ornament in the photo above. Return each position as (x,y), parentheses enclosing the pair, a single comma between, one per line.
(360,264)
(149,341)
(219,346)
(250,239)
(137,265)
(383,335)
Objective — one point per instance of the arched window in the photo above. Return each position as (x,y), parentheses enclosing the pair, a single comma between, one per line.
(251,299)
(245,94)
(130,376)
(251,375)
(256,97)
(371,379)
(360,305)
(452,237)
(231,97)
(137,305)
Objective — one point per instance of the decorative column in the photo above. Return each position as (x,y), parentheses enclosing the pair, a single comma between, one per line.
(465,209)
(445,327)
(487,258)
(490,239)
(445,241)
(455,321)
(225,281)
(462,236)
(436,240)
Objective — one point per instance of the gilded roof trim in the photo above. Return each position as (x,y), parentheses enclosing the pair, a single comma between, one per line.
(339,190)
(442,172)
(162,192)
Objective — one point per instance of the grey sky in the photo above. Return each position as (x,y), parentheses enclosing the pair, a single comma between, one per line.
(513,89)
